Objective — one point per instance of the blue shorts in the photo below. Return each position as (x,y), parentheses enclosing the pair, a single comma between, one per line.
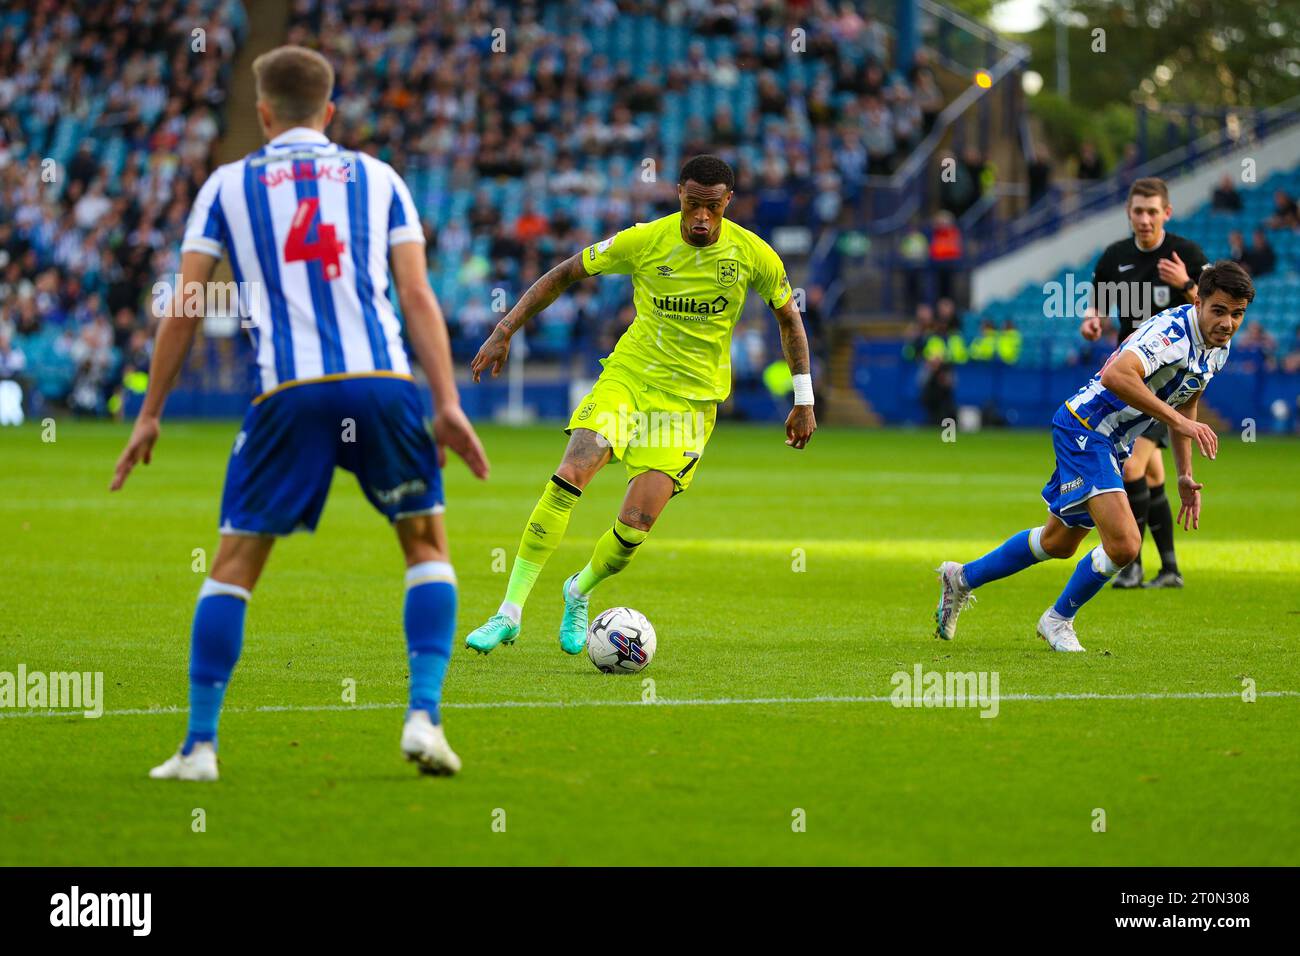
(1087,464)
(284,457)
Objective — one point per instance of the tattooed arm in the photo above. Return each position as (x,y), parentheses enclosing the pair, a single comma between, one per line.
(543,292)
(801,423)
(794,343)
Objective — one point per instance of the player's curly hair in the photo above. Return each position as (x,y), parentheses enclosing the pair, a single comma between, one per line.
(1227,277)
(707,171)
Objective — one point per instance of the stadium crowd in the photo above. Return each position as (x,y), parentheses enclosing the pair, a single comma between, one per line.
(109,114)
(1259,258)
(537,122)
(524,129)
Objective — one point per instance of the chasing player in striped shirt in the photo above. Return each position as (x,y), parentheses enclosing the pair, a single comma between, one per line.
(1158,374)
(312,231)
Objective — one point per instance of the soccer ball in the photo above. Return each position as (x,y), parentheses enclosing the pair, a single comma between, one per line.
(620,641)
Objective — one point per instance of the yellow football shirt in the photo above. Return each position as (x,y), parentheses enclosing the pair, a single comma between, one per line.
(687,301)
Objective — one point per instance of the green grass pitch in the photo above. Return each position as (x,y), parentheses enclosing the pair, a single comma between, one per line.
(719,771)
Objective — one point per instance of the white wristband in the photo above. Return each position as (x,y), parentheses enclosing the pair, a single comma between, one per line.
(803,393)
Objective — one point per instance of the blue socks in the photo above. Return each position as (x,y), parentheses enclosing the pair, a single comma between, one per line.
(1015,554)
(430,619)
(1090,575)
(1020,551)
(218,636)
(215,642)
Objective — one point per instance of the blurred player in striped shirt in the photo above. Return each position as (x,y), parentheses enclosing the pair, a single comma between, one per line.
(312,231)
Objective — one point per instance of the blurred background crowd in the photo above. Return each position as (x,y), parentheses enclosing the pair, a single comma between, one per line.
(527,130)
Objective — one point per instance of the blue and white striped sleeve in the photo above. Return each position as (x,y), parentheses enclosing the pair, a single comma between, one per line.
(206,230)
(1162,341)
(403,220)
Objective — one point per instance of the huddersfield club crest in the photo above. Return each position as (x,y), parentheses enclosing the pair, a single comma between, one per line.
(728,272)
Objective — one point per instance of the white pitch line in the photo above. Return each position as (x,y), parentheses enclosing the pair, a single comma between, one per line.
(661,702)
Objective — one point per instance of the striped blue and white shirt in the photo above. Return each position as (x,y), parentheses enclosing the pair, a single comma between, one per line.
(307,226)
(1176,364)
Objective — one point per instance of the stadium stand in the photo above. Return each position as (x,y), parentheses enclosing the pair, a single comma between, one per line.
(1012,360)
(530,132)
(1208,227)
(108,128)
(525,131)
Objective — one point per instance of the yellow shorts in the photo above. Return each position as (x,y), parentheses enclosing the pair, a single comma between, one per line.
(647,428)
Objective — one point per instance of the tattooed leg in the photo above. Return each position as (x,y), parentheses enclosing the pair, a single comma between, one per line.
(646,497)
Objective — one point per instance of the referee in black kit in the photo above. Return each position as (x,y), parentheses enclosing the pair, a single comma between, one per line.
(1146,273)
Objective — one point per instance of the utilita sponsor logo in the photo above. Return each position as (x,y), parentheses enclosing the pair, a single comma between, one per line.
(682,305)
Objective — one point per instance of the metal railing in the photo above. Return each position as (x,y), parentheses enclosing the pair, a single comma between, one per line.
(888,203)
(1047,218)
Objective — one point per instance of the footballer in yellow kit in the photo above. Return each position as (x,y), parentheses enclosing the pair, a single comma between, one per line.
(654,405)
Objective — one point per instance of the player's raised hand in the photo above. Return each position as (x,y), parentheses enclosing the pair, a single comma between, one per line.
(1199,432)
(139,447)
(799,426)
(1189,493)
(491,354)
(1090,328)
(451,429)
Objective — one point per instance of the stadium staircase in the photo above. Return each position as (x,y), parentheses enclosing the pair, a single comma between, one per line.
(266,22)
(243,135)
(845,404)
(868,298)
(990,119)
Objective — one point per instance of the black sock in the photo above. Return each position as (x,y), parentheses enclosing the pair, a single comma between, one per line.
(1161,521)
(1139,498)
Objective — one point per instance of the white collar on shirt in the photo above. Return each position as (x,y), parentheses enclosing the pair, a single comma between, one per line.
(299,134)
(1195,325)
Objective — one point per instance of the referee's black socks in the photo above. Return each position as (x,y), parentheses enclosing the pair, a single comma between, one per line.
(1161,521)
(1139,499)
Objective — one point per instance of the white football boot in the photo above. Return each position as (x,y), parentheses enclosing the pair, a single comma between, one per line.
(954,597)
(1058,632)
(200,764)
(424,743)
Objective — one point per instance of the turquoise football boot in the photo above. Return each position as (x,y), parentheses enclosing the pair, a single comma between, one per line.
(573,628)
(499,629)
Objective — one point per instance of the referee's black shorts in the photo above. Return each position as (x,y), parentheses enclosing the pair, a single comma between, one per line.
(1158,432)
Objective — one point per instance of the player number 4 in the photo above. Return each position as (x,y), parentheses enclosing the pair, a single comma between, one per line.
(326,248)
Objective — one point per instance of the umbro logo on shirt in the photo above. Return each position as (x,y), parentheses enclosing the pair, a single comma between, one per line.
(665,270)
(1082,441)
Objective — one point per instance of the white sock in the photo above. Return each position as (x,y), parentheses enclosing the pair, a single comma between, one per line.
(512,611)
(1102,564)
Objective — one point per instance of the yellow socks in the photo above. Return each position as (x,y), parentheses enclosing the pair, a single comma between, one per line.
(543,534)
(614,552)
